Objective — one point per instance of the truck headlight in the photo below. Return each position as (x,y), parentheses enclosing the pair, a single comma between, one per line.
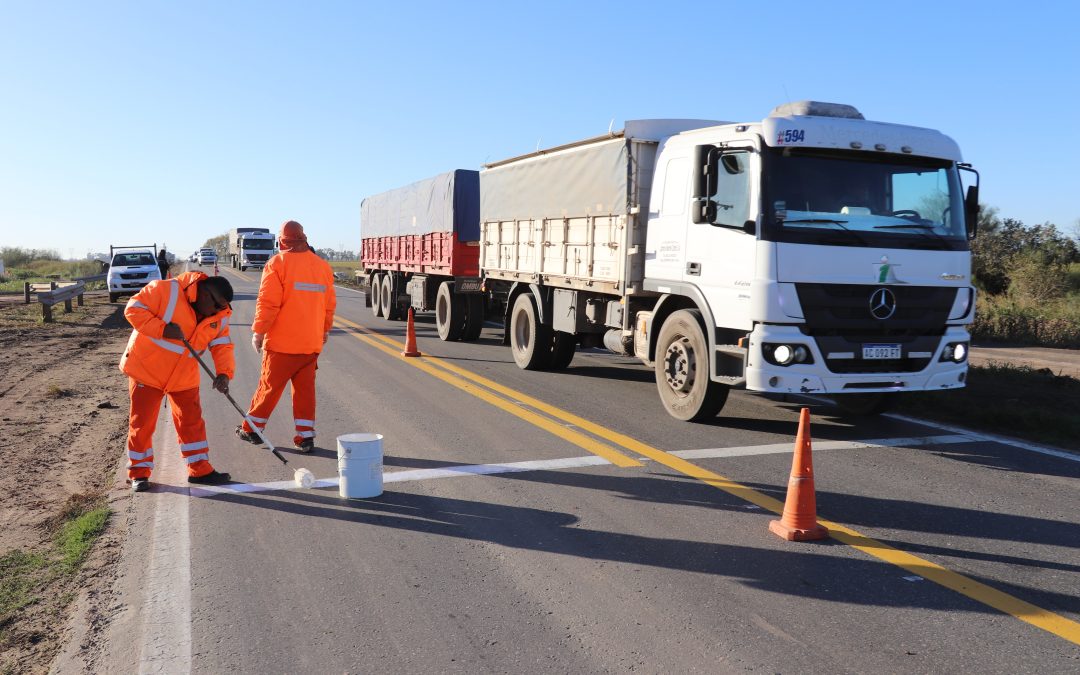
(955,351)
(780,354)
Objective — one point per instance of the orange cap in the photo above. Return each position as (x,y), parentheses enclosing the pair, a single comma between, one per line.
(291,235)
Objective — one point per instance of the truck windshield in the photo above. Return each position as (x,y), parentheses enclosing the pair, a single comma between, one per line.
(258,244)
(858,199)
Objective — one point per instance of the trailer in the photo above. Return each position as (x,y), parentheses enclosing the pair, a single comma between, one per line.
(420,250)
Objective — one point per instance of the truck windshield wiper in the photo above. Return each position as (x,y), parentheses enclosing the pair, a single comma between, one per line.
(830,221)
(918,226)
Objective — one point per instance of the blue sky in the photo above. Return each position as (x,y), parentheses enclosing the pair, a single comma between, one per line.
(153,121)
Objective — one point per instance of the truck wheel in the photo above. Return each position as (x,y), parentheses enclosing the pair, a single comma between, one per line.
(449,313)
(375,291)
(563,346)
(474,317)
(113,297)
(389,307)
(864,405)
(682,369)
(243,269)
(530,341)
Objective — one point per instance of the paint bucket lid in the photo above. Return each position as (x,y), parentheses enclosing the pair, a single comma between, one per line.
(359,446)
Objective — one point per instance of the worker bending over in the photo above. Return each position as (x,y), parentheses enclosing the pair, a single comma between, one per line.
(194,307)
(293,315)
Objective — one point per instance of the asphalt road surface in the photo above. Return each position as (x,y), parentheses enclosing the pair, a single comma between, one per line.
(563,522)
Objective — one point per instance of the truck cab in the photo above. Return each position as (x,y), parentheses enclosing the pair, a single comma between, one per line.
(823,253)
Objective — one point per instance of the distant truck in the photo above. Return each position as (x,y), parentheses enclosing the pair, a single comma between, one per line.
(249,247)
(420,248)
(131,268)
(813,252)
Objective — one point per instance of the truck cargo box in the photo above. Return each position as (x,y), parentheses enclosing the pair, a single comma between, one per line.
(431,226)
(574,216)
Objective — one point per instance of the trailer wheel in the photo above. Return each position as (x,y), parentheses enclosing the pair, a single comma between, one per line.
(375,291)
(530,340)
(682,369)
(563,346)
(864,405)
(474,316)
(449,313)
(389,307)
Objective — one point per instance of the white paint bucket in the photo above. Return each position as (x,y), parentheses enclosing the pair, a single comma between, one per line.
(359,465)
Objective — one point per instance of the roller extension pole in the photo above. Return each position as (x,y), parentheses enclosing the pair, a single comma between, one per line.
(238,408)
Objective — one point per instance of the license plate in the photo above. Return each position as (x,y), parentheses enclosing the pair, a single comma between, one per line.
(881,351)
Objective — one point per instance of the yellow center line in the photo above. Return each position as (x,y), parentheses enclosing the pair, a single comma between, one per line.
(581,440)
(980,592)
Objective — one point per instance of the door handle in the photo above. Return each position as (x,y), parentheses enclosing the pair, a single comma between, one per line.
(693,268)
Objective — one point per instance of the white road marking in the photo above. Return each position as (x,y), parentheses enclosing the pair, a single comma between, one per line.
(166,634)
(575,462)
(981,436)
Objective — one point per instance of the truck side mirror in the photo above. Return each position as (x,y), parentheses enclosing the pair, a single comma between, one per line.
(971,208)
(971,202)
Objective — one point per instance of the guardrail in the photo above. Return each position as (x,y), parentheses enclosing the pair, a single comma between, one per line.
(40,287)
(63,294)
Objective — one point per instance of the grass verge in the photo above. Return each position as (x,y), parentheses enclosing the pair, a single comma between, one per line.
(29,578)
(1016,401)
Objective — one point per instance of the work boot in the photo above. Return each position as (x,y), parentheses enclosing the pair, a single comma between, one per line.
(215,477)
(140,484)
(306,445)
(249,436)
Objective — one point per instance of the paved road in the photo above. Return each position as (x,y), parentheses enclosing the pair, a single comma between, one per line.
(562,522)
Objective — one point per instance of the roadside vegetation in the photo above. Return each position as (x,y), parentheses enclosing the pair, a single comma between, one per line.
(47,577)
(34,265)
(1029,284)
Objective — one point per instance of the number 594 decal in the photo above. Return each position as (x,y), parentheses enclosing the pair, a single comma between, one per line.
(791,136)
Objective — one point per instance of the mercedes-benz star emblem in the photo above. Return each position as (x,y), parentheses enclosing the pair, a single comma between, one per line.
(882,304)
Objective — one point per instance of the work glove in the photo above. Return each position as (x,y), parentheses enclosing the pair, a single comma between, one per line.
(325,337)
(221,383)
(257,342)
(172,332)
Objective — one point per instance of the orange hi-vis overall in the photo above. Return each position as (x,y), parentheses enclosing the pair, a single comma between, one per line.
(294,310)
(158,367)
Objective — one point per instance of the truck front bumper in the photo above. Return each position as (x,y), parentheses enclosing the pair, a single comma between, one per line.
(816,378)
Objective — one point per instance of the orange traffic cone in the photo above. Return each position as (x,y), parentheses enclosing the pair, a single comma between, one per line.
(799,522)
(410,338)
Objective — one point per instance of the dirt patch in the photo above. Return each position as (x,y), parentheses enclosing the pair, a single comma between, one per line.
(63,416)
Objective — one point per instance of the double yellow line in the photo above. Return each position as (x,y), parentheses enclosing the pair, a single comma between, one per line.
(467,381)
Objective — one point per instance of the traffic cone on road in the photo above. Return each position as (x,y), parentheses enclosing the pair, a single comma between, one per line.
(410,338)
(799,522)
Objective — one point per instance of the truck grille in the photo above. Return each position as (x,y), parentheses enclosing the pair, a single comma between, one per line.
(136,275)
(839,318)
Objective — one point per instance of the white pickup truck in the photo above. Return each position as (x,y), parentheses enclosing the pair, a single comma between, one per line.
(131,268)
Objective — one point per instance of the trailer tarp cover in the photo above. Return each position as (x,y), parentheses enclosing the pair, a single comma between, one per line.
(449,202)
(585,180)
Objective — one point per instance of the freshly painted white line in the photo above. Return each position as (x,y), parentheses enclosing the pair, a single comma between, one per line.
(166,633)
(573,462)
(351,290)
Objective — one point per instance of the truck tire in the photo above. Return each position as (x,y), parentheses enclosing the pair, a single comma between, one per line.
(390,309)
(375,291)
(530,340)
(864,405)
(113,297)
(474,317)
(563,347)
(449,313)
(682,369)
(243,269)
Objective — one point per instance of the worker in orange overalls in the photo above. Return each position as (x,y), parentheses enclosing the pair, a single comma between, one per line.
(293,315)
(192,306)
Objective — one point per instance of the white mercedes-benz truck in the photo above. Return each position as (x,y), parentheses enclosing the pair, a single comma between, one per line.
(813,252)
(250,247)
